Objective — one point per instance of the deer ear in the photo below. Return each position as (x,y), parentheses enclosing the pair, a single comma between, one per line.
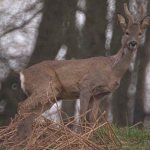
(145,22)
(122,22)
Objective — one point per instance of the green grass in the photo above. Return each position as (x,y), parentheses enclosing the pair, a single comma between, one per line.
(133,138)
(130,138)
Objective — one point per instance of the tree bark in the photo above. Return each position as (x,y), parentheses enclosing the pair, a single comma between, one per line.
(140,113)
(121,96)
(52,30)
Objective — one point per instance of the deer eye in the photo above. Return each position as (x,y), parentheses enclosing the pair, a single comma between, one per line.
(14,86)
(127,33)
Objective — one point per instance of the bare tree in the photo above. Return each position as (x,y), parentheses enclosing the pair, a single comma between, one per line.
(142,103)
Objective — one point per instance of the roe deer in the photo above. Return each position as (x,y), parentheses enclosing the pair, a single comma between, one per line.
(88,79)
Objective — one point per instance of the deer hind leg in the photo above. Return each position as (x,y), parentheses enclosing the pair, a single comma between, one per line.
(25,126)
(39,99)
(35,105)
(94,106)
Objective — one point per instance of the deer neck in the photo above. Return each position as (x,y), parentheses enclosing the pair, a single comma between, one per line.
(122,60)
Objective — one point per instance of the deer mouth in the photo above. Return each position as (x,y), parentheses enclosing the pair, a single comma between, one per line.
(132,48)
(132,45)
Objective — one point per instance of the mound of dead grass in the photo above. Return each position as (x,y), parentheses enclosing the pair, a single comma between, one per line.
(52,136)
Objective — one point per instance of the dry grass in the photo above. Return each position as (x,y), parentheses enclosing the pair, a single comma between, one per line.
(53,136)
(49,136)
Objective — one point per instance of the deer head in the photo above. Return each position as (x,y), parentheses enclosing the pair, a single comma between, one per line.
(133,29)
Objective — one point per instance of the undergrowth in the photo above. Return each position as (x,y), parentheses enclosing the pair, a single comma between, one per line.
(130,138)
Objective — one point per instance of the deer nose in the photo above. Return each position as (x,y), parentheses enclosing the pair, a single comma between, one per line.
(132,44)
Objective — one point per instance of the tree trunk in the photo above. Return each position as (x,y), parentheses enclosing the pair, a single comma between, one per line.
(119,99)
(142,108)
(52,30)
(141,112)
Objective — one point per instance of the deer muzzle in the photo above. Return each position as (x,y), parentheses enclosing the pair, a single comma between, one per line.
(132,45)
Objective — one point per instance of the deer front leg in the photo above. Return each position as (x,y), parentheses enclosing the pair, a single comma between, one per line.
(94,108)
(85,96)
